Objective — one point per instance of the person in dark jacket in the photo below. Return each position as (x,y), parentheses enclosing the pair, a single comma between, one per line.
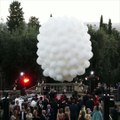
(74,110)
(23,114)
(43,115)
(50,112)
(90,104)
(85,98)
(114,113)
(6,108)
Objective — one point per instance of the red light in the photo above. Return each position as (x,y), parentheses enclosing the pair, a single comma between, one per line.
(26,80)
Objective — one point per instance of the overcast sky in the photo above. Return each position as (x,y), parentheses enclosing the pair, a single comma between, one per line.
(85,10)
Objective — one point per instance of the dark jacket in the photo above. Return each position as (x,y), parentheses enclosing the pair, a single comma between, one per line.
(21,116)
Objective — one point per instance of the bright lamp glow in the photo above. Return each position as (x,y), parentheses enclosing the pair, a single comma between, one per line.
(92,73)
(26,80)
(22,73)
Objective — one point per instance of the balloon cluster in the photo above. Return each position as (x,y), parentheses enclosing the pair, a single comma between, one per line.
(33,103)
(64,48)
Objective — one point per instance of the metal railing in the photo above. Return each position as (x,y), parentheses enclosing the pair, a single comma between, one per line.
(58,87)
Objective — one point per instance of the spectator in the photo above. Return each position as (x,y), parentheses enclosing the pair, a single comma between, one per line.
(60,115)
(29,115)
(67,113)
(43,116)
(23,114)
(97,115)
(6,107)
(14,115)
(35,113)
(50,112)
(88,114)
(73,110)
(1,112)
(114,113)
(82,114)
(17,107)
(90,103)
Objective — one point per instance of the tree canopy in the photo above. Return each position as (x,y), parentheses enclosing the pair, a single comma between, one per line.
(16,18)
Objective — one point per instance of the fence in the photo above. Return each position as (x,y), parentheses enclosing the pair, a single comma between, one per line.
(58,87)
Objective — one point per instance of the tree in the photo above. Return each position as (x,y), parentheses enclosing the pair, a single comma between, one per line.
(34,22)
(101,22)
(106,55)
(109,27)
(15,19)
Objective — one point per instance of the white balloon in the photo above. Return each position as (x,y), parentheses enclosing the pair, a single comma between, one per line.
(51,74)
(33,104)
(86,64)
(59,77)
(64,48)
(45,72)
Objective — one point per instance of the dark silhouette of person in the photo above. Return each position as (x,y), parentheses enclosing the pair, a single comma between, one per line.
(85,98)
(114,113)
(90,104)
(50,112)
(106,100)
(23,114)
(6,107)
(74,110)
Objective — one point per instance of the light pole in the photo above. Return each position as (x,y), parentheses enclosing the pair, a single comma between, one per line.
(18,80)
(1,81)
(91,81)
(21,80)
(109,81)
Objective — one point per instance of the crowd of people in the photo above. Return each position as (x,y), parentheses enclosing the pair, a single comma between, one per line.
(51,107)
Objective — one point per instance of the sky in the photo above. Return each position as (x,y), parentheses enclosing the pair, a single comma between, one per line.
(85,10)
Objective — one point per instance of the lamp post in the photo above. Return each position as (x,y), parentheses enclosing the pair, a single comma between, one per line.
(22,80)
(91,81)
(18,81)
(22,77)
(109,82)
(1,81)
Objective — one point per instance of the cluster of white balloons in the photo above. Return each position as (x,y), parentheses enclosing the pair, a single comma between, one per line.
(64,48)
(33,103)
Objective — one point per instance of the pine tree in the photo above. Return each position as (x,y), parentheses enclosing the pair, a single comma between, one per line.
(34,22)
(101,22)
(109,26)
(15,19)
